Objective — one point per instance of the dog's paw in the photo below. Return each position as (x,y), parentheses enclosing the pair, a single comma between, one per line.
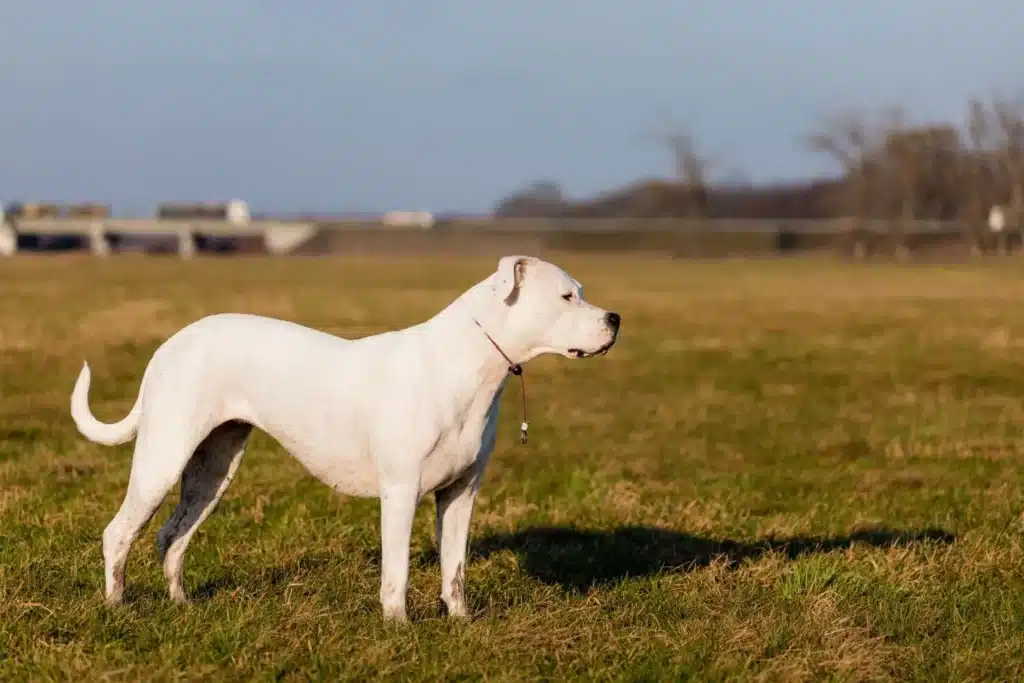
(395,614)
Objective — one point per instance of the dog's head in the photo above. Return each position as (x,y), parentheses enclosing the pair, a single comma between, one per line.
(541,309)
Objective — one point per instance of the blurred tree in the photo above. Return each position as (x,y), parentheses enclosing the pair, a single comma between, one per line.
(540,199)
(692,168)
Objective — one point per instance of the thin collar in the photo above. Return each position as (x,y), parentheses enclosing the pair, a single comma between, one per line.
(513,369)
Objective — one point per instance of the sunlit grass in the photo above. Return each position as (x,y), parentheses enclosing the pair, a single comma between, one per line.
(784,471)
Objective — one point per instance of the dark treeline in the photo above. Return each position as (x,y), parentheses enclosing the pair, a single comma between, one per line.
(891,168)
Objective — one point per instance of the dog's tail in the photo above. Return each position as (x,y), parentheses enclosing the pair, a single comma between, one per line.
(109,434)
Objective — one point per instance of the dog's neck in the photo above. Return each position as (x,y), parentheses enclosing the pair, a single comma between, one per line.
(484,361)
(472,317)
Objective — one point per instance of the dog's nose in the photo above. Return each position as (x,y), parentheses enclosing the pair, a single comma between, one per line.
(613,320)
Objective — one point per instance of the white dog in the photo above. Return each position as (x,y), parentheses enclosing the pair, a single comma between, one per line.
(395,415)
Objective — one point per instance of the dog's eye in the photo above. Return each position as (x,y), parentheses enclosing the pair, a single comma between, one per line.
(567,297)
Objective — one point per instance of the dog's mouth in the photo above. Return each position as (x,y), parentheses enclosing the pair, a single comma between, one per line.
(580,353)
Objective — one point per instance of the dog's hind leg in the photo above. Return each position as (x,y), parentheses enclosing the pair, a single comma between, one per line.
(160,455)
(205,479)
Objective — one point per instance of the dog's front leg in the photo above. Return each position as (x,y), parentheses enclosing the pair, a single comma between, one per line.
(454,512)
(397,511)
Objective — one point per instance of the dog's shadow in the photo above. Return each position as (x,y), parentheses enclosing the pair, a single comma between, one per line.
(580,559)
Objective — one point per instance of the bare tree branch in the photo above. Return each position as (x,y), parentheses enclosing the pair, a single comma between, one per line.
(690,165)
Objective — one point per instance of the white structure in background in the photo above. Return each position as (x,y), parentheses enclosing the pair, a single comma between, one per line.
(238,212)
(409,219)
(8,238)
(183,220)
(99,245)
(996,219)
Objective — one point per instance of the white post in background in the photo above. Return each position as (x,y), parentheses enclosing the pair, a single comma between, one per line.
(98,243)
(8,238)
(186,242)
(997,223)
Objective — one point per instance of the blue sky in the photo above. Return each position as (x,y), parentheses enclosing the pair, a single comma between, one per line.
(339,105)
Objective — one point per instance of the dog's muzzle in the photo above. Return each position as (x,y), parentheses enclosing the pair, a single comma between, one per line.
(612,320)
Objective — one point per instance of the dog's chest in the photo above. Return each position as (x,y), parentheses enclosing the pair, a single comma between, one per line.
(461,443)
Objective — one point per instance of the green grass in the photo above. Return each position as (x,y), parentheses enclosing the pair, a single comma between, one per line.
(783,471)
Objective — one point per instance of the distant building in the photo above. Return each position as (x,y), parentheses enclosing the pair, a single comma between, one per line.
(234,211)
(409,219)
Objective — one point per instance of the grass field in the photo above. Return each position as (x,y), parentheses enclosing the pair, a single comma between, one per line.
(783,471)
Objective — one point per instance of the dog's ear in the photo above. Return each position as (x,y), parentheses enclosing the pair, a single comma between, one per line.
(508,279)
